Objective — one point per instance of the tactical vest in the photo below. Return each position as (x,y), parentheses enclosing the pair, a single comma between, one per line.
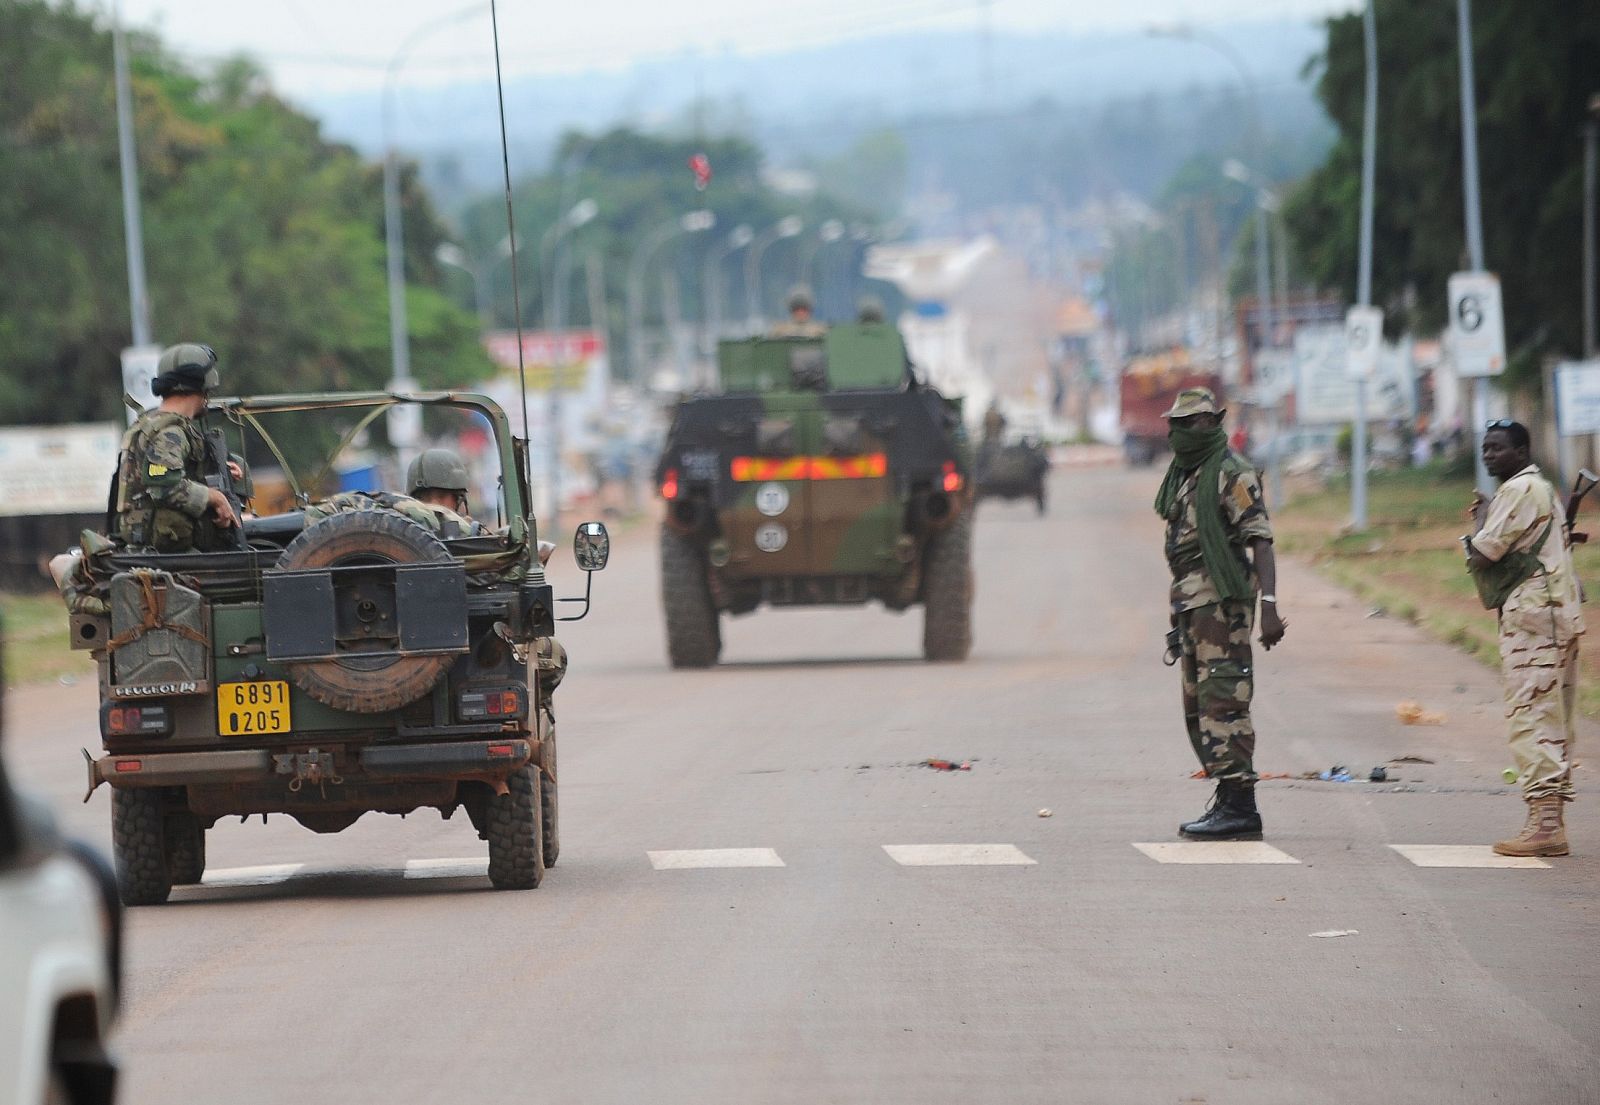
(141,522)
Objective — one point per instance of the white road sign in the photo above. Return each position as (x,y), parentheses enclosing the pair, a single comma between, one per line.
(1325,393)
(1578,398)
(56,469)
(138,372)
(1363,338)
(1477,327)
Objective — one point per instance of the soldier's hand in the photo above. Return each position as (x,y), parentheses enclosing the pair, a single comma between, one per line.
(234,470)
(221,509)
(1272,625)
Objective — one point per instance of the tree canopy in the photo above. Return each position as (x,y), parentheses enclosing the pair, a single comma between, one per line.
(262,238)
(1536,67)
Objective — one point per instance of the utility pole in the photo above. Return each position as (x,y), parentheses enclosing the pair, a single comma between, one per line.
(1474,218)
(132,223)
(1591,138)
(1369,157)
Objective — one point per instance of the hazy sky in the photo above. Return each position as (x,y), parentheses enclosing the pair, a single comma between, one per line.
(314,47)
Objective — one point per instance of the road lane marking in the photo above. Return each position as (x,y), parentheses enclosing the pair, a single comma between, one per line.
(250,876)
(957,855)
(1463,855)
(688,859)
(447,868)
(1215,851)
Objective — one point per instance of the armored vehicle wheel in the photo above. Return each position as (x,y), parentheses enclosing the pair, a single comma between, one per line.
(549,803)
(514,830)
(947,592)
(138,848)
(185,848)
(366,682)
(693,637)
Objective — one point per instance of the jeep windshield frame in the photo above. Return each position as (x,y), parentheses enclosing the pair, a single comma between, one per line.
(511,450)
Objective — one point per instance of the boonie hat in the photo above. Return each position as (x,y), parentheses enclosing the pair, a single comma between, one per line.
(1194,401)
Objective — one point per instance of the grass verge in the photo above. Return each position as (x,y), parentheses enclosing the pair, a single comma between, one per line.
(1407,562)
(36,640)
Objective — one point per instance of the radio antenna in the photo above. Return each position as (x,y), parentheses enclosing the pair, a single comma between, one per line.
(511,218)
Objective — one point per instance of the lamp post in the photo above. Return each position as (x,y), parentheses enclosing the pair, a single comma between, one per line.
(132,224)
(404,422)
(829,232)
(456,257)
(786,227)
(1591,137)
(1474,217)
(712,282)
(1369,159)
(1266,202)
(690,222)
(555,310)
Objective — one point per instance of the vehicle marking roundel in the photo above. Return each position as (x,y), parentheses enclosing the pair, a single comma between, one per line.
(771,537)
(772,499)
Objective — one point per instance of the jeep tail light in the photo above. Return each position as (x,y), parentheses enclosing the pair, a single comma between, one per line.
(669,485)
(143,720)
(493,704)
(952,478)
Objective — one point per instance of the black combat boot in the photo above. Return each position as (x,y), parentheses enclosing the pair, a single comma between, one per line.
(1231,816)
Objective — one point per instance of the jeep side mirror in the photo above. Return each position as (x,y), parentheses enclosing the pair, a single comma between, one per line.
(591,546)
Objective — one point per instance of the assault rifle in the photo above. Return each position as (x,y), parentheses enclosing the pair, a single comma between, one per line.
(1585,483)
(219,476)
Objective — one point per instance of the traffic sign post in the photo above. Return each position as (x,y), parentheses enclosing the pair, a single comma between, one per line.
(1478,347)
(1363,335)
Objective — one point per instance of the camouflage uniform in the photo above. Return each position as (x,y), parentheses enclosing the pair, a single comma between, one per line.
(1540,624)
(162,498)
(1214,636)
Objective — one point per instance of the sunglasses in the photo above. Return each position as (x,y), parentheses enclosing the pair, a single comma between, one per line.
(1500,424)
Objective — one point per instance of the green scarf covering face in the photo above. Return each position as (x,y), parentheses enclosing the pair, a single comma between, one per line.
(1205,450)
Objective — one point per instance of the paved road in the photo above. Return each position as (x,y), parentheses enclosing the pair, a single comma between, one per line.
(1070,966)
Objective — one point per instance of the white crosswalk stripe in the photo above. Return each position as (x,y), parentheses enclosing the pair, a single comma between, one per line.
(688,859)
(250,876)
(446,868)
(1463,855)
(1215,851)
(957,855)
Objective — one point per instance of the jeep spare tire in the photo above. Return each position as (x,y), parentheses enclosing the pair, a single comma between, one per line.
(377,679)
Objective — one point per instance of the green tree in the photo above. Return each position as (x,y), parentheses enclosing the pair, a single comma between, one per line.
(1536,67)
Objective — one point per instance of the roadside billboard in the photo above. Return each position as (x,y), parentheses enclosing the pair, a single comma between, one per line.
(1324,392)
(57,469)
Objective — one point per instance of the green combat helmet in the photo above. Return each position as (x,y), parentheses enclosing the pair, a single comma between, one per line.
(869,309)
(800,298)
(438,468)
(186,368)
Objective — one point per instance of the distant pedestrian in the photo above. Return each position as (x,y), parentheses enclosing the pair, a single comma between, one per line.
(1519,559)
(1215,511)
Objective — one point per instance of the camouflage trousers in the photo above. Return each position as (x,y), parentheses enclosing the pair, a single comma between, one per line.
(1218,681)
(1541,686)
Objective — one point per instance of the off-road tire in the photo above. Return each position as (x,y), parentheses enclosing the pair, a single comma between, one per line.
(549,801)
(515,826)
(138,850)
(947,592)
(694,639)
(355,537)
(185,844)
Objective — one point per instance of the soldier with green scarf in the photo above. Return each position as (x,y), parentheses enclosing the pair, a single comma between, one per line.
(1212,503)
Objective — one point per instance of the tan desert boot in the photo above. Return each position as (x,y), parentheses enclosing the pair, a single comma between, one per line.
(1544,835)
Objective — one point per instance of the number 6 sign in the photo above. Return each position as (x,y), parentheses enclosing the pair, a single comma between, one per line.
(1477,328)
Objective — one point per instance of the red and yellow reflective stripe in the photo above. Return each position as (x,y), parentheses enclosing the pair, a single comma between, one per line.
(866,466)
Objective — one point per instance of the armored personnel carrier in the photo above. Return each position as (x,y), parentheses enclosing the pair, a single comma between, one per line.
(819,473)
(343,658)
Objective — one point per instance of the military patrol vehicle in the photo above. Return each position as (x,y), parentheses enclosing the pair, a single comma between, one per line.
(819,473)
(342,660)
(1013,470)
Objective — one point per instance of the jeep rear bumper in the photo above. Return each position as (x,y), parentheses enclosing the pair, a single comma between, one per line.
(450,760)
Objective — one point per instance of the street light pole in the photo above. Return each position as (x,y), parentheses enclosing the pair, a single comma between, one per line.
(1369,157)
(688,223)
(456,257)
(712,281)
(786,227)
(1591,137)
(132,222)
(1474,218)
(555,321)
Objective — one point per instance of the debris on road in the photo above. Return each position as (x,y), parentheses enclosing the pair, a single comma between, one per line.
(948,765)
(1338,773)
(1047,812)
(1511,775)
(1409,759)
(1378,775)
(1330,934)
(1413,713)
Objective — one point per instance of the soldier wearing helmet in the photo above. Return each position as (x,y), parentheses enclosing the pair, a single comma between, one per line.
(162,501)
(801,324)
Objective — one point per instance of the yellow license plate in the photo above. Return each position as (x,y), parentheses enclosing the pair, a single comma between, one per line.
(245,709)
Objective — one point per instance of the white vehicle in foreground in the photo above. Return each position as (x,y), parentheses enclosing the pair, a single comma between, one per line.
(60,947)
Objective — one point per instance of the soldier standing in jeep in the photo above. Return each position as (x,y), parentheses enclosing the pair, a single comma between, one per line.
(162,500)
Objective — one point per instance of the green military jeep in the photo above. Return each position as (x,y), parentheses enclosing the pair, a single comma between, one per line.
(335,662)
(820,473)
